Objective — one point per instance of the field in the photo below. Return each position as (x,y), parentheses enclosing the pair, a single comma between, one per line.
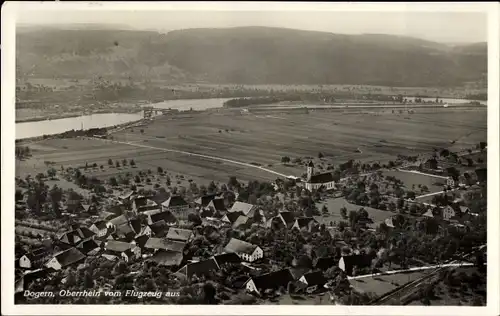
(334,206)
(380,285)
(263,140)
(412,180)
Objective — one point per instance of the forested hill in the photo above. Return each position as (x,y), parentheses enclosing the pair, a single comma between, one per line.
(248,55)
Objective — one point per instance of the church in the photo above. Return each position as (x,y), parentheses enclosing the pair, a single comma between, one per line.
(316,181)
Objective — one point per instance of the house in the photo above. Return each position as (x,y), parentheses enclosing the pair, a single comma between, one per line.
(452,181)
(297,271)
(212,221)
(165,216)
(88,246)
(287,218)
(128,255)
(74,206)
(118,249)
(275,223)
(431,164)
(143,204)
(241,222)
(348,263)
(313,281)
(175,204)
(231,217)
(316,181)
(216,207)
(244,250)
(429,213)
(389,222)
(65,258)
(125,197)
(155,244)
(117,221)
(99,228)
(306,223)
(204,200)
(140,241)
(269,281)
(76,236)
(124,227)
(247,209)
(33,259)
(177,234)
(200,268)
(167,258)
(227,258)
(90,208)
(157,229)
(118,209)
(448,213)
(464,209)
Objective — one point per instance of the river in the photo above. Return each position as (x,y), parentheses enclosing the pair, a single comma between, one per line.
(50,127)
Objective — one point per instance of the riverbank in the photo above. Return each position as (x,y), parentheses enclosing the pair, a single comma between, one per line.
(56,116)
(99,132)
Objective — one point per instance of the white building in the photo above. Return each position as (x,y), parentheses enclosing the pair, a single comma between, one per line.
(316,181)
(448,213)
(246,251)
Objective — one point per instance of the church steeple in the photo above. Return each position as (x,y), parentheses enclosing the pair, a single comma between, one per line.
(310,170)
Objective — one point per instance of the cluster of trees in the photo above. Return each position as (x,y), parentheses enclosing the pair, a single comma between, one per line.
(22,152)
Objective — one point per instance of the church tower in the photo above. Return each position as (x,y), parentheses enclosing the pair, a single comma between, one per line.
(310,171)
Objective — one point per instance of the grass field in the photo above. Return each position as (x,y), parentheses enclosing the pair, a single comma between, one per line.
(414,179)
(380,285)
(334,206)
(264,140)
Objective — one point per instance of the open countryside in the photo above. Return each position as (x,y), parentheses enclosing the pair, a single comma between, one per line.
(242,180)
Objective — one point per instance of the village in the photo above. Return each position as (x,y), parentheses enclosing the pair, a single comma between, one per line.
(300,237)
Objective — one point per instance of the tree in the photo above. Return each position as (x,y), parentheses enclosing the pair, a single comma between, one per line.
(353,218)
(285,159)
(343,212)
(137,179)
(209,292)
(142,131)
(324,210)
(113,182)
(51,173)
(195,219)
(169,182)
(160,170)
(102,167)
(212,188)
(124,162)
(56,197)
(110,161)
(410,195)
(233,182)
(117,164)
(320,155)
(19,195)
(132,162)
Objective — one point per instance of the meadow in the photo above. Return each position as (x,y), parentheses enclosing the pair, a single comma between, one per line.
(340,135)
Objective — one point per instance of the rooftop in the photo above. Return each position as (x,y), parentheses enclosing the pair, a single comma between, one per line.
(69,256)
(245,208)
(240,246)
(174,200)
(179,234)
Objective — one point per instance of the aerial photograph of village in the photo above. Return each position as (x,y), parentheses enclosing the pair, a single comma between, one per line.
(260,162)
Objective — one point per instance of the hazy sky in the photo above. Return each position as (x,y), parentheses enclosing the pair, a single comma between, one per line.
(452,27)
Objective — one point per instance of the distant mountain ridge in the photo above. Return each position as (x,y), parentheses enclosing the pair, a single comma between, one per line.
(248,55)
